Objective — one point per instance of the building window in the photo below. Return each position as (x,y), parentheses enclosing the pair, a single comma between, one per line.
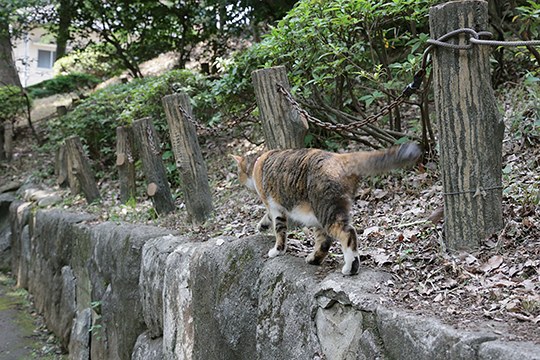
(46,59)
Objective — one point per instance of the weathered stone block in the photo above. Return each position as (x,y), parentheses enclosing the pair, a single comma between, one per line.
(225,297)
(413,337)
(285,319)
(79,343)
(114,268)
(19,213)
(147,348)
(339,329)
(498,350)
(154,257)
(5,231)
(178,326)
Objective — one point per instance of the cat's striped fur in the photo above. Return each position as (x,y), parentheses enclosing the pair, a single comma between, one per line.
(316,188)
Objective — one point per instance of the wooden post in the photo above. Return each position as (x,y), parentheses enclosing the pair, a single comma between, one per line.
(8,140)
(125,162)
(282,125)
(189,159)
(80,168)
(61,166)
(150,152)
(2,150)
(470,128)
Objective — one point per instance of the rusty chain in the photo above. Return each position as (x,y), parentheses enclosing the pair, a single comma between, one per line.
(474,39)
(406,93)
(214,131)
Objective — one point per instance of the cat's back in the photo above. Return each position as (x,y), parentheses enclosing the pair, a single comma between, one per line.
(294,162)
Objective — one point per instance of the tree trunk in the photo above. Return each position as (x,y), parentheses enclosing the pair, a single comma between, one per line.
(470,128)
(8,71)
(64,22)
(282,125)
(189,159)
(150,153)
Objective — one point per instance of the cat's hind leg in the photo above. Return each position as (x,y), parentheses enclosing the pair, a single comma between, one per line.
(265,223)
(280,229)
(322,245)
(346,234)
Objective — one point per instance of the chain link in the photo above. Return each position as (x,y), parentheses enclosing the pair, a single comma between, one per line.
(341,127)
(215,131)
(407,92)
(198,125)
(475,39)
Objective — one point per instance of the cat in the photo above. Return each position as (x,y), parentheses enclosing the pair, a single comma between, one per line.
(316,188)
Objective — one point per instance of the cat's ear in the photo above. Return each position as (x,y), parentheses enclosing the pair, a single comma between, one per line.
(237,158)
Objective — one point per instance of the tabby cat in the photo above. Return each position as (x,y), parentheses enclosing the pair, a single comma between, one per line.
(316,188)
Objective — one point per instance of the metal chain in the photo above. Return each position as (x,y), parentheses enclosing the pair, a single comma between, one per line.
(407,92)
(215,131)
(198,125)
(475,39)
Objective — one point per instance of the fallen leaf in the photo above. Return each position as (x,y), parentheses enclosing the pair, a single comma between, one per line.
(494,262)
(381,259)
(370,230)
(437,215)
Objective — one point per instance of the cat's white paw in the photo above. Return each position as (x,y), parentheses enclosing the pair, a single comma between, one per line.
(273,252)
(352,263)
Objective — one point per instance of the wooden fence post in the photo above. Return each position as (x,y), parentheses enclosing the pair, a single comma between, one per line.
(8,140)
(80,168)
(154,170)
(61,166)
(125,162)
(470,128)
(282,125)
(189,159)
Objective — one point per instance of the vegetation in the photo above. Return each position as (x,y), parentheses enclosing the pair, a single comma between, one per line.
(63,84)
(95,119)
(13,103)
(345,59)
(95,59)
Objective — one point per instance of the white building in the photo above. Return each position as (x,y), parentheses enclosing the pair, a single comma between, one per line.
(35,54)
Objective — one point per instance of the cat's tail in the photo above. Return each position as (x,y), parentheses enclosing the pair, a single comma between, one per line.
(367,163)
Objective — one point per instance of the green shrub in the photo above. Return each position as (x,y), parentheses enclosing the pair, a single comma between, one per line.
(96,118)
(63,84)
(348,52)
(13,103)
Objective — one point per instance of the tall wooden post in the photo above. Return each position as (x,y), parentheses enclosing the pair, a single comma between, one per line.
(282,125)
(470,128)
(8,140)
(79,166)
(125,162)
(154,170)
(61,166)
(189,159)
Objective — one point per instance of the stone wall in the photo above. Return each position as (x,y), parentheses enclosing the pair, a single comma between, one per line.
(121,291)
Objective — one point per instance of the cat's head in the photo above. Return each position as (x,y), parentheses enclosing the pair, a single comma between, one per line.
(245,168)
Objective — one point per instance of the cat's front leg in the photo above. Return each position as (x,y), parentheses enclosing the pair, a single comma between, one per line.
(265,223)
(280,229)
